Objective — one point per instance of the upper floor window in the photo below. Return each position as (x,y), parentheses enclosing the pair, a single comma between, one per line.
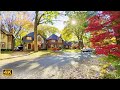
(2,44)
(52,40)
(9,38)
(60,40)
(29,38)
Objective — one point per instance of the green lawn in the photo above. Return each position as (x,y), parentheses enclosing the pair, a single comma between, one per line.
(10,54)
(32,54)
(21,54)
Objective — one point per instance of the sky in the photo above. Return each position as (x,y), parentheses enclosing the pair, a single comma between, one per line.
(60,24)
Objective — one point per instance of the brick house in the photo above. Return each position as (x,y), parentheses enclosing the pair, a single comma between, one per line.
(67,45)
(54,42)
(28,42)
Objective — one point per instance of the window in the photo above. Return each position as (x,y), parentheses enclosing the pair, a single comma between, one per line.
(52,40)
(29,46)
(60,46)
(60,40)
(29,38)
(52,46)
(2,44)
(9,38)
(2,36)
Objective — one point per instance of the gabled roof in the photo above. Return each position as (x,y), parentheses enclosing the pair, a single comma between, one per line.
(67,43)
(31,34)
(53,37)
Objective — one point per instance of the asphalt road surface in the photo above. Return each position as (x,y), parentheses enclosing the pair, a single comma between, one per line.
(47,67)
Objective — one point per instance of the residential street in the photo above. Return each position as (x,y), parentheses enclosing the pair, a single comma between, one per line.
(60,45)
(53,66)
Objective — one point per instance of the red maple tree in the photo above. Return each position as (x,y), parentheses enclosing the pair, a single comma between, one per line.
(103,26)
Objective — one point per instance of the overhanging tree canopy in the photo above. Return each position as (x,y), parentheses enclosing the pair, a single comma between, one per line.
(104,26)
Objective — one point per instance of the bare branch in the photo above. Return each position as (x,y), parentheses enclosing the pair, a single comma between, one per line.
(18,31)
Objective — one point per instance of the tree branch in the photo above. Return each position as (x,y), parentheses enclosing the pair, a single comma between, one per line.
(40,18)
(18,31)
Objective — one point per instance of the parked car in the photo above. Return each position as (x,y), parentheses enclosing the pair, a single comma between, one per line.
(19,48)
(87,50)
(16,49)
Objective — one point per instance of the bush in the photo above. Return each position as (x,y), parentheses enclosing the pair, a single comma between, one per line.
(111,75)
(115,62)
(54,49)
(6,49)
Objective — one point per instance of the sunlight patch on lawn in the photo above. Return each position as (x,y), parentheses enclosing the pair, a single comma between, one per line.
(22,55)
(39,53)
(2,56)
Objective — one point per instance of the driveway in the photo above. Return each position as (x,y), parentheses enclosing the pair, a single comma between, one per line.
(53,66)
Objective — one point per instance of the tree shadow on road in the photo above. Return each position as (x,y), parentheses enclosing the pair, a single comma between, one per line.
(47,62)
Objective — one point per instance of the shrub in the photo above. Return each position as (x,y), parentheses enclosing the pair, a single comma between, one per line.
(6,49)
(115,62)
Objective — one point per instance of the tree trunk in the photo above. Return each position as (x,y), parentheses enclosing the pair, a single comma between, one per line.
(118,40)
(35,32)
(118,37)
(79,44)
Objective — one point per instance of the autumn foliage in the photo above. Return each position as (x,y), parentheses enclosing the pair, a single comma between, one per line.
(105,26)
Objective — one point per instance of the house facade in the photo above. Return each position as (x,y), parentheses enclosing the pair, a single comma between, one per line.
(67,45)
(75,45)
(7,40)
(28,42)
(54,42)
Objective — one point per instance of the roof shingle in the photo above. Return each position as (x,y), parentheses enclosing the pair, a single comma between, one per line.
(53,37)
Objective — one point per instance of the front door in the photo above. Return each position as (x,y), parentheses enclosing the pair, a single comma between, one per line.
(29,46)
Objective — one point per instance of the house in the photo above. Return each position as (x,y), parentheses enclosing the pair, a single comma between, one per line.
(67,45)
(28,42)
(75,45)
(54,42)
(7,40)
